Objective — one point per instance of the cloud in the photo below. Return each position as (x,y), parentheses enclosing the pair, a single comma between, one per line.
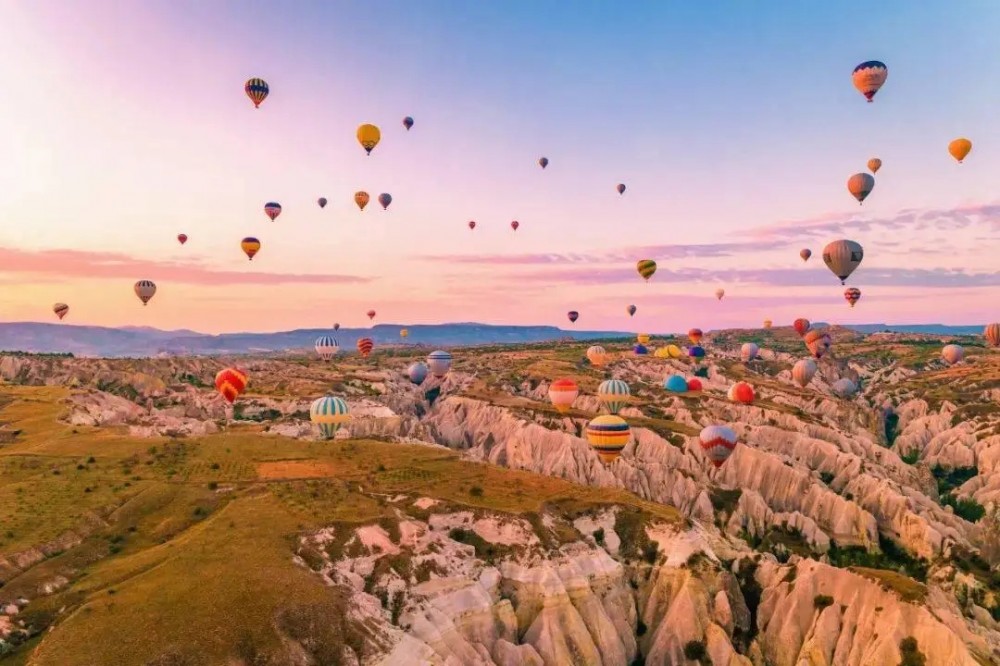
(625,254)
(67,264)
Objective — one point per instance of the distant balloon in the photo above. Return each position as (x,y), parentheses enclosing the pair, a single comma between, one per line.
(817,342)
(608,435)
(365,346)
(368,136)
(860,185)
(718,442)
(842,257)
(719,293)
(407,123)
(621,188)
(631,310)
(767,324)
(362,199)
(322,202)
(272,209)
(874,164)
(695,335)
(231,382)
(327,347)
(803,371)
(697,353)
(742,392)
(562,393)
(371,314)
(60,309)
(952,354)
(852,295)
(145,290)
(642,338)
(572,315)
(646,268)
(805,253)
(613,394)
(404,333)
(992,334)
(844,388)
(514,225)
(329,413)
(640,350)
(676,384)
(801,326)
(662,352)
(182,238)
(439,363)
(597,356)
(749,351)
(868,77)
(257,90)
(417,372)
(674,351)
(959,149)
(694,385)
(385,199)
(472,224)
(543,162)
(336,327)
(251,246)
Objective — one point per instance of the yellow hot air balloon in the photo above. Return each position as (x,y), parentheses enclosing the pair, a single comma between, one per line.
(404,333)
(643,338)
(368,136)
(361,198)
(874,164)
(608,435)
(674,351)
(767,323)
(662,352)
(959,148)
(250,246)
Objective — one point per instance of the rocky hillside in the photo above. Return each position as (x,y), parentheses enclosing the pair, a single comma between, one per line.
(466,521)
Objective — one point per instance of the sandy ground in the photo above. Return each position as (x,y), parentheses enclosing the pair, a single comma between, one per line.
(295,469)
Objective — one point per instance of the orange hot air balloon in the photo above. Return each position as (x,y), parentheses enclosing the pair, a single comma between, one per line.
(562,393)
(695,335)
(742,392)
(251,246)
(231,382)
(362,199)
(801,326)
(959,149)
(365,346)
(992,334)
(817,342)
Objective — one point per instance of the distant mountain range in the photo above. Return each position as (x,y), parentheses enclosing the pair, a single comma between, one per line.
(144,341)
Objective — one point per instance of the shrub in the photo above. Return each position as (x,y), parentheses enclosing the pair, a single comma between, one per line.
(476,491)
(826,477)
(599,536)
(910,652)
(694,650)
(821,601)
(964,507)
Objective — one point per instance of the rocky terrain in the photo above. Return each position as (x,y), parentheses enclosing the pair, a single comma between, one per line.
(465,521)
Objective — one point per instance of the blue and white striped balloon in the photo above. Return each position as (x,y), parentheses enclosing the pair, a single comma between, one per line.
(417,372)
(439,363)
(329,413)
(614,394)
(327,347)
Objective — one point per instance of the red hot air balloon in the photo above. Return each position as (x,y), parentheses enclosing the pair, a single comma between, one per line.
(472,224)
(231,382)
(573,315)
(742,392)
(718,442)
(514,225)
(371,314)
(801,326)
(365,346)
(694,385)
(182,238)
(852,295)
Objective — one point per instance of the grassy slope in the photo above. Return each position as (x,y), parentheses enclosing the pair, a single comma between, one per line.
(174,564)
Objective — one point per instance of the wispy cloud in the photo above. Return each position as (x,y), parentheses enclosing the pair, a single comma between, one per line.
(69,264)
(624,254)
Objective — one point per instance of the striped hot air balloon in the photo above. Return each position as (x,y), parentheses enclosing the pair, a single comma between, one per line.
(852,295)
(60,309)
(718,442)
(365,346)
(613,394)
(646,268)
(362,199)
(327,347)
(257,90)
(251,246)
(803,371)
(868,77)
(608,435)
(597,356)
(562,393)
(992,334)
(231,382)
(749,351)
(329,413)
(439,363)
(272,209)
(145,290)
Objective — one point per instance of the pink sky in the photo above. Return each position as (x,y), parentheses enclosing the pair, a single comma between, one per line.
(126,125)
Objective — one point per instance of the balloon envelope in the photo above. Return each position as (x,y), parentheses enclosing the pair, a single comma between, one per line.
(182,238)
(646,268)
(407,122)
(60,309)
(439,363)
(417,372)
(874,164)
(718,442)
(868,77)
(251,246)
(597,356)
(365,346)
(631,310)
(842,257)
(694,385)
(272,209)
(640,350)
(368,136)
(676,384)
(231,382)
(543,162)
(361,199)
(852,295)
(959,149)
(562,393)
(145,290)
(327,347)
(257,90)
(992,334)
(805,253)
(860,185)
(952,354)
(572,315)
(621,188)
(801,326)
(385,199)
(322,202)
(803,371)
(749,351)
(613,394)
(608,435)
(328,414)
(742,392)
(844,388)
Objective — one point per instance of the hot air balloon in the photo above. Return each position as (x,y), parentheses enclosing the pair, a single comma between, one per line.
(230,383)
(805,253)
(336,327)
(613,394)
(817,342)
(371,314)
(675,384)
(322,202)
(992,334)
(844,388)
(608,435)
(514,225)
(674,351)
(719,293)
(562,393)
(417,372)
(742,392)
(272,209)
(365,346)
(646,268)
(631,310)
(695,335)
(251,246)
(952,354)
(543,162)
(842,257)
(60,309)
(697,353)
(959,148)
(874,164)
(182,238)
(404,333)
(329,413)
(439,363)
(597,356)
(803,371)
(749,351)
(801,326)
(407,123)
(642,338)
(662,352)
(852,295)
(572,315)
(718,442)
(767,324)
(694,385)
(621,188)
(368,137)
(326,347)
(472,224)
(385,199)
(869,76)
(362,199)
(145,290)
(640,350)
(257,90)
(860,185)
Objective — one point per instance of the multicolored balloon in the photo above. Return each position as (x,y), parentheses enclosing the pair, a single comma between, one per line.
(562,393)
(417,372)
(992,334)
(327,347)
(952,354)
(805,253)
(803,371)
(231,382)
(251,246)
(818,342)
(718,442)
(572,315)
(385,199)
(801,326)
(613,394)
(60,309)
(868,77)
(860,185)
(272,209)
(182,238)
(368,136)
(597,356)
(329,413)
(361,199)
(646,268)
(852,295)
(407,123)
(749,351)
(257,90)
(874,164)
(842,257)
(608,435)
(365,346)
(695,335)
(439,363)
(959,149)
(145,290)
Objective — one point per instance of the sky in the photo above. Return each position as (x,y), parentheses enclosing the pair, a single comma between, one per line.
(734,126)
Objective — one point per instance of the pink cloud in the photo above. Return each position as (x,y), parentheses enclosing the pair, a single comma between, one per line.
(629,254)
(66,264)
